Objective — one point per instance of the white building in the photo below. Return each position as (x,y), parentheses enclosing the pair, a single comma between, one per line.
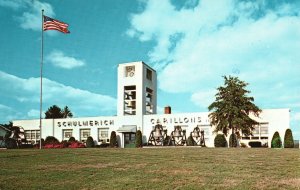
(136,110)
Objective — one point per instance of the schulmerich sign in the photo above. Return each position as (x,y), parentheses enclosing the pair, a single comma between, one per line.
(85,123)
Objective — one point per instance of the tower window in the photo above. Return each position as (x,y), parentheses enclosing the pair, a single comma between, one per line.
(149,74)
(130,100)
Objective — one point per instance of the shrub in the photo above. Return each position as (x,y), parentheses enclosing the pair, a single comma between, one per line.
(243,145)
(190,141)
(53,146)
(220,141)
(51,140)
(234,144)
(72,139)
(255,144)
(43,142)
(288,139)
(76,144)
(167,141)
(113,139)
(139,139)
(276,141)
(90,142)
(103,145)
(26,146)
(65,144)
(11,143)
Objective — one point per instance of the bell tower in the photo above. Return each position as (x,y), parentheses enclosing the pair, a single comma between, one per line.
(137,85)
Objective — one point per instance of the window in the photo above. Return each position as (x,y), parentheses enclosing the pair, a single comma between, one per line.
(67,134)
(84,134)
(255,131)
(130,100)
(32,136)
(103,135)
(149,104)
(264,129)
(28,135)
(38,134)
(149,74)
(260,131)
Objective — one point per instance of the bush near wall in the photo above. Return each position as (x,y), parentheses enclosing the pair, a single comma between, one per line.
(276,141)
(90,142)
(72,139)
(76,144)
(11,143)
(255,144)
(234,144)
(139,139)
(288,139)
(51,140)
(113,140)
(220,141)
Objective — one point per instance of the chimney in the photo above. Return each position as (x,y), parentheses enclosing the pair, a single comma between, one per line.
(168,110)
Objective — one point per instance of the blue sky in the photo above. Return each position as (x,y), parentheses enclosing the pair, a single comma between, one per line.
(191,44)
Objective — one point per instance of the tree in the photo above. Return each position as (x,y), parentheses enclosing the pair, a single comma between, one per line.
(11,143)
(90,142)
(67,112)
(55,112)
(51,140)
(72,139)
(276,141)
(220,141)
(232,142)
(113,139)
(288,139)
(232,108)
(139,139)
(8,126)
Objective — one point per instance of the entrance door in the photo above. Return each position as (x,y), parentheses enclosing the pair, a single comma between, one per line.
(129,140)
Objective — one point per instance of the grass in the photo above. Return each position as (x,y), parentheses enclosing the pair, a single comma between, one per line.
(151,168)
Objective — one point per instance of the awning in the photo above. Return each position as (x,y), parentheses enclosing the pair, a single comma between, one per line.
(127,129)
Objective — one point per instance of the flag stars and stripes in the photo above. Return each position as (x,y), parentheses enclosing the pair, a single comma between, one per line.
(53,24)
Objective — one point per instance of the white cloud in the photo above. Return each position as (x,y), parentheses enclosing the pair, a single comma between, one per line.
(219,38)
(203,98)
(8,114)
(82,102)
(31,17)
(14,4)
(33,113)
(58,59)
(258,41)
(295,116)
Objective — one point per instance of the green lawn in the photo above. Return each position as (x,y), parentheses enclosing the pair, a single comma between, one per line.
(151,168)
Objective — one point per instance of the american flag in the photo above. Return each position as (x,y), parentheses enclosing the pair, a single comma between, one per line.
(52,24)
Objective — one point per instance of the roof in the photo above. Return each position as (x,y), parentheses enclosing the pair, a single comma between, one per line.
(127,128)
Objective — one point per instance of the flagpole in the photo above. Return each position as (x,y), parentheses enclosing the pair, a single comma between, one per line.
(41,87)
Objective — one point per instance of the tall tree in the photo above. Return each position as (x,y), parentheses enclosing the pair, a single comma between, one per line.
(288,139)
(232,108)
(55,112)
(67,112)
(8,126)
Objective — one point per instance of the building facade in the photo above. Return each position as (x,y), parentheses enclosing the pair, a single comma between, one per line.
(137,110)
